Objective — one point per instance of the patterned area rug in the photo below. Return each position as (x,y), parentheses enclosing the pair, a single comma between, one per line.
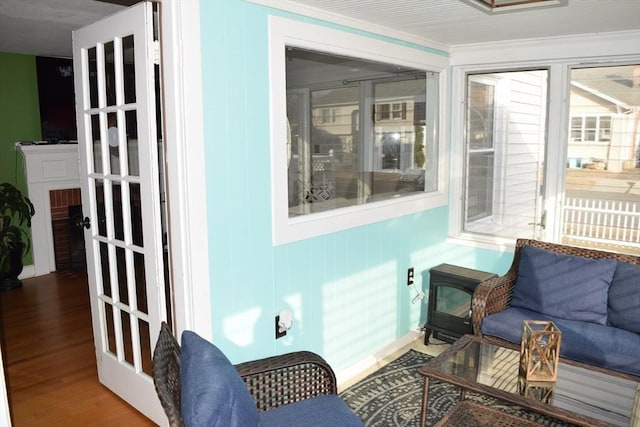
(392,396)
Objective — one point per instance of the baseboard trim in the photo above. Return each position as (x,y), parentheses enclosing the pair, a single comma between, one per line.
(346,376)
(27,272)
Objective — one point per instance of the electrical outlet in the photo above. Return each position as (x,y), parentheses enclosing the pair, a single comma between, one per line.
(278,333)
(410,276)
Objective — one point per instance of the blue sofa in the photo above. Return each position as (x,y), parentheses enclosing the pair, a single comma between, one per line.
(592,296)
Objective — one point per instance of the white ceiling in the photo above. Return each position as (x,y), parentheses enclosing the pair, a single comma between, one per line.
(43,27)
(455,22)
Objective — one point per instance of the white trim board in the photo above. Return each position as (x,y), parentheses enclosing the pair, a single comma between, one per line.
(285,32)
(356,24)
(186,186)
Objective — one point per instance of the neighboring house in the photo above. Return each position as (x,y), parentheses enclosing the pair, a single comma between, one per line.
(602,130)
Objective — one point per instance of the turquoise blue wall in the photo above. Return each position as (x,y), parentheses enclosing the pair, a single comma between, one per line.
(347,290)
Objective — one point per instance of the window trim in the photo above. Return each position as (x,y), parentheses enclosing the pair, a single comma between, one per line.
(493,150)
(558,128)
(556,115)
(286,32)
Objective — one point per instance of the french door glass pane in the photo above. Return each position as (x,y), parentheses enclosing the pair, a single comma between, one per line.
(96,147)
(132,143)
(145,347)
(121,265)
(110,73)
(136,214)
(140,283)
(104,270)
(127,350)
(93,77)
(129,68)
(602,187)
(110,333)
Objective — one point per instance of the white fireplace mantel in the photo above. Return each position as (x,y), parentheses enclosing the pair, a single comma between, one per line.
(49,167)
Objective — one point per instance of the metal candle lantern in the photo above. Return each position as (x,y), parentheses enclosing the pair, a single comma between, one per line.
(539,350)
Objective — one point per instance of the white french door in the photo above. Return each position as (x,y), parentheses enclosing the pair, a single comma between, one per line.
(118,143)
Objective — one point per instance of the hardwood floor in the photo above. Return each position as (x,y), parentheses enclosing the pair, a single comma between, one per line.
(49,357)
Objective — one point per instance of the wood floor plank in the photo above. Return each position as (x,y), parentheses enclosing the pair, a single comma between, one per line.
(47,344)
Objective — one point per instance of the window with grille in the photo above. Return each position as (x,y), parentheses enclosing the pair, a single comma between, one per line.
(589,128)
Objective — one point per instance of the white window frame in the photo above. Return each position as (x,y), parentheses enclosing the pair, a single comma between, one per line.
(286,32)
(492,150)
(596,50)
(557,114)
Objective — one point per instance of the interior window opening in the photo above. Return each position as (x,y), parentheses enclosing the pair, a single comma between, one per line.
(359,131)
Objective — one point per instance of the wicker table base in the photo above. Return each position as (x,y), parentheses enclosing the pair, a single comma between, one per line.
(470,414)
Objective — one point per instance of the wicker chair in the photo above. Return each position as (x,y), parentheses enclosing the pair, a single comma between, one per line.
(272,382)
(166,374)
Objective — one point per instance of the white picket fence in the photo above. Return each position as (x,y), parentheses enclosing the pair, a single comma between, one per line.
(602,221)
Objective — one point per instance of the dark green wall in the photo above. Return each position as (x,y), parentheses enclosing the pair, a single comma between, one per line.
(19,112)
(19,116)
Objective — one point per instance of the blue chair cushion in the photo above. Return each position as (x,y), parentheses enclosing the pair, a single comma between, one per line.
(213,393)
(624,298)
(319,411)
(598,345)
(563,286)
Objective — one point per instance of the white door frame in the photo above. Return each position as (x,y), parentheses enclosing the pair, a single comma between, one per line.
(5,418)
(185,166)
(186,184)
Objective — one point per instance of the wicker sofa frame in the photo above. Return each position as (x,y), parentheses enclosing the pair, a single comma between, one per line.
(494,295)
(272,382)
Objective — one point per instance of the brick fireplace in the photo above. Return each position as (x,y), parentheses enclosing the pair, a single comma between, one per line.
(54,189)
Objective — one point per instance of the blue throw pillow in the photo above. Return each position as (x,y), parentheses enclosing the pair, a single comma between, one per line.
(213,394)
(624,298)
(564,286)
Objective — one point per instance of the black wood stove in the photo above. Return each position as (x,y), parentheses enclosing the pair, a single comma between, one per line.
(450,292)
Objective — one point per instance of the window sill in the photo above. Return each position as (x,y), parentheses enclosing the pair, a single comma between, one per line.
(483,242)
(288,230)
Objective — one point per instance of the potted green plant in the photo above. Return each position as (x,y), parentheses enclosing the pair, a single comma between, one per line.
(16,211)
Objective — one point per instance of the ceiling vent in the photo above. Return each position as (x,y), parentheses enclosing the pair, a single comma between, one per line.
(501,6)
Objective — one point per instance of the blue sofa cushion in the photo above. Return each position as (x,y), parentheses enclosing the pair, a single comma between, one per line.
(213,393)
(598,345)
(507,324)
(563,286)
(329,410)
(624,298)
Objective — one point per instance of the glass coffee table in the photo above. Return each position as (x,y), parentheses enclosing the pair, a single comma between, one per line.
(581,395)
